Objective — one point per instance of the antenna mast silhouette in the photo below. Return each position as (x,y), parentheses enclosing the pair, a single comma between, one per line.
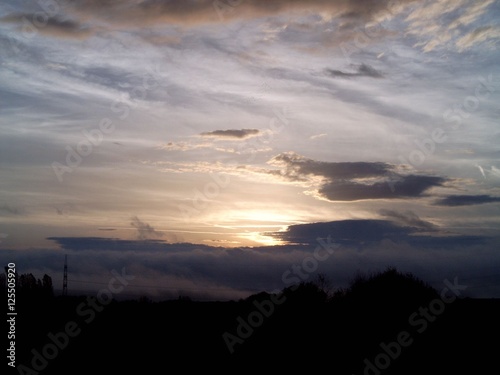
(65,277)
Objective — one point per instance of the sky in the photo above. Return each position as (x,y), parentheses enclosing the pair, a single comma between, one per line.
(209,147)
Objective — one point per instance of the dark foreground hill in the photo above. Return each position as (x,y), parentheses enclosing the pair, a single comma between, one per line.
(389,323)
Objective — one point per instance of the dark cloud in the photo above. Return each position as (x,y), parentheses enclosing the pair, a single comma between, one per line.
(466,200)
(296,166)
(144,230)
(53,26)
(361,233)
(362,70)
(65,28)
(346,232)
(408,218)
(346,181)
(405,187)
(232,133)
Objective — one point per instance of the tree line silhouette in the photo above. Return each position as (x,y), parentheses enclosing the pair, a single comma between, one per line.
(28,286)
(374,326)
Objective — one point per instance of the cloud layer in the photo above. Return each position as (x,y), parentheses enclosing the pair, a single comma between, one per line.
(165,270)
(206,11)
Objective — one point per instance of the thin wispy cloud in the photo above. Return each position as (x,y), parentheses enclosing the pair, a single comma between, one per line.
(184,146)
(11,210)
(407,218)
(478,35)
(318,136)
(144,230)
(447,23)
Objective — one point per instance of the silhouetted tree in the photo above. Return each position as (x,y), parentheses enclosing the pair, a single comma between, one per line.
(31,288)
(3,282)
(27,282)
(47,287)
(390,286)
(145,299)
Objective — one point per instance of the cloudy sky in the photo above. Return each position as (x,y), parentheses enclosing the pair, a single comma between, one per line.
(208,146)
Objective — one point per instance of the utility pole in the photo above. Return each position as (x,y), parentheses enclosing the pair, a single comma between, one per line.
(65,277)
